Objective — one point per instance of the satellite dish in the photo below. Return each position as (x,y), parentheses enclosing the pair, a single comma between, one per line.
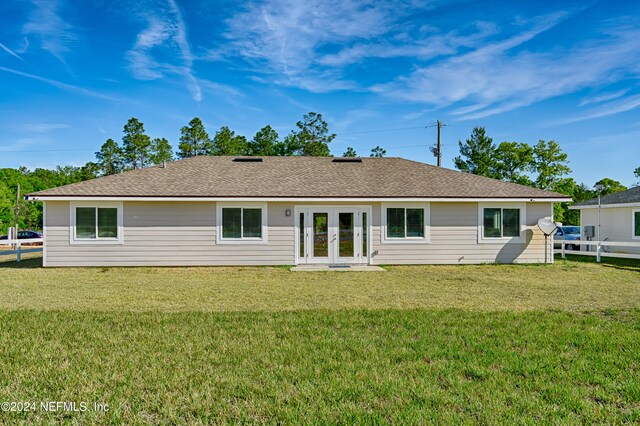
(547,226)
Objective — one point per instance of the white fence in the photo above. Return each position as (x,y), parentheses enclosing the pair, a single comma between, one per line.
(18,245)
(599,252)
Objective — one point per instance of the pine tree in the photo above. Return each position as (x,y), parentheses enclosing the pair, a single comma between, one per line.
(265,142)
(226,142)
(350,152)
(378,152)
(110,158)
(136,144)
(313,137)
(194,140)
(477,154)
(161,151)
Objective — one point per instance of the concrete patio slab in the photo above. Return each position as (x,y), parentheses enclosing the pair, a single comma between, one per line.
(337,268)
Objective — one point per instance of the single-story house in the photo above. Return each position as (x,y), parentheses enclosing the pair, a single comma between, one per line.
(293,210)
(619,219)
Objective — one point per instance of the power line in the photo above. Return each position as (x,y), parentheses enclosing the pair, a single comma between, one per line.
(405,146)
(380,130)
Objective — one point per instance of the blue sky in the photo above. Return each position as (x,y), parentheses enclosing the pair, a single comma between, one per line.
(73,72)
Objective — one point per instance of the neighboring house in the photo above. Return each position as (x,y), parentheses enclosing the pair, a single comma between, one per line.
(293,210)
(619,218)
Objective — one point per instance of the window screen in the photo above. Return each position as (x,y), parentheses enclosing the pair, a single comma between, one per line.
(96,222)
(107,223)
(511,222)
(238,223)
(231,223)
(251,223)
(492,222)
(501,223)
(415,222)
(405,223)
(85,222)
(395,223)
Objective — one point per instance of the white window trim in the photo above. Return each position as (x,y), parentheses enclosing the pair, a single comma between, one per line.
(221,240)
(44,234)
(501,240)
(406,240)
(633,224)
(93,241)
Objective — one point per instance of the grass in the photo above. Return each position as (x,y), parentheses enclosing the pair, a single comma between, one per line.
(567,285)
(403,366)
(489,344)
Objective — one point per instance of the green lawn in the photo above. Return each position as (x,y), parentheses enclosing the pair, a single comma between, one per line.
(489,344)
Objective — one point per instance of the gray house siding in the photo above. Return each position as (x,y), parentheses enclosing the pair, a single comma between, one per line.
(454,239)
(616,224)
(184,233)
(167,234)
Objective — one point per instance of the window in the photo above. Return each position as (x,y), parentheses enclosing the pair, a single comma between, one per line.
(405,223)
(365,232)
(570,230)
(636,224)
(301,231)
(408,223)
(96,222)
(501,222)
(395,223)
(242,223)
(101,223)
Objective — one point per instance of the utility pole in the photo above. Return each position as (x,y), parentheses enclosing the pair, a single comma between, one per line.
(437,150)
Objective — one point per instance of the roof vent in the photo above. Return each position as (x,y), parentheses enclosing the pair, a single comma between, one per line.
(347,160)
(247,160)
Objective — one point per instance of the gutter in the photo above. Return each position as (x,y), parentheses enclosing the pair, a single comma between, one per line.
(299,199)
(604,206)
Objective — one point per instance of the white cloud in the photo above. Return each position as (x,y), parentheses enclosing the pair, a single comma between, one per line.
(424,46)
(60,85)
(44,127)
(283,35)
(10,52)
(49,29)
(220,89)
(610,108)
(166,32)
(603,98)
(285,40)
(493,79)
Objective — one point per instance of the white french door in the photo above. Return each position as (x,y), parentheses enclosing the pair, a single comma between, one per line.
(332,234)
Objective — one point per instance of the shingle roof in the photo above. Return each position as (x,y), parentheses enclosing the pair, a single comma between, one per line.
(629,196)
(296,177)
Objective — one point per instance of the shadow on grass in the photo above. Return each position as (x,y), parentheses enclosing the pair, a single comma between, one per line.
(608,262)
(28,263)
(35,261)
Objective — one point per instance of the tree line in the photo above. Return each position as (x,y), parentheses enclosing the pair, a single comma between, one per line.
(30,213)
(543,165)
(138,150)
